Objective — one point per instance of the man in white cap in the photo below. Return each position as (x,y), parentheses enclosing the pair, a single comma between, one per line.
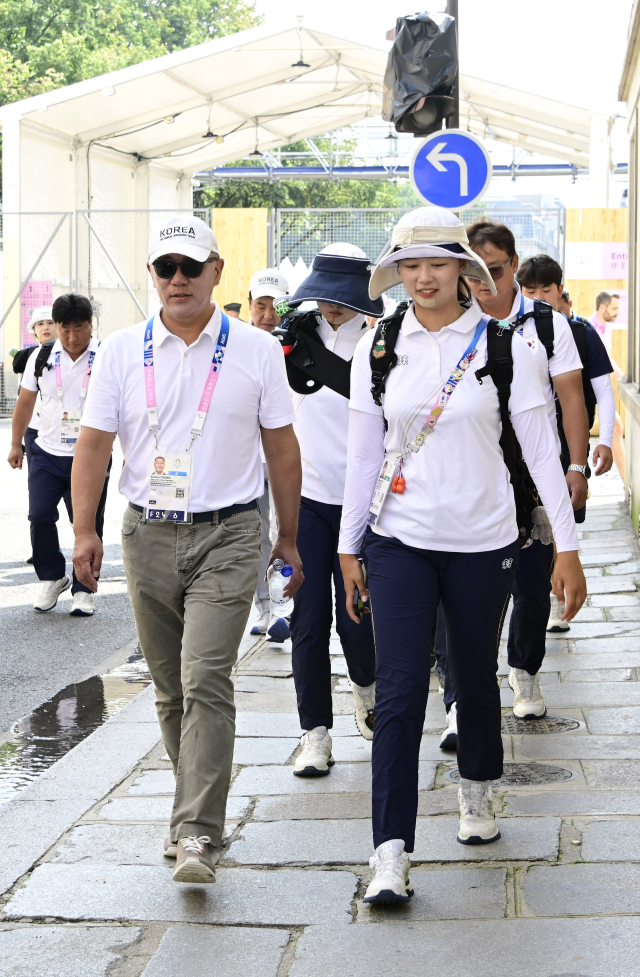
(190,536)
(42,326)
(265,287)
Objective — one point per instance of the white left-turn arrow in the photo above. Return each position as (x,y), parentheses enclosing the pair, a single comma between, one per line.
(436,157)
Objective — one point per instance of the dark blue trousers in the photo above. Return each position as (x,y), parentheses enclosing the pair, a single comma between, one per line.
(49,479)
(318,530)
(406,585)
(531,608)
(30,436)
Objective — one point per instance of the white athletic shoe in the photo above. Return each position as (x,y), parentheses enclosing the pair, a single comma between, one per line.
(49,593)
(477,820)
(365,696)
(82,605)
(527,697)
(556,624)
(261,625)
(449,738)
(390,882)
(315,759)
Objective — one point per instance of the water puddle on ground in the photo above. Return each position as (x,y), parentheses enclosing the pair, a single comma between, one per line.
(63,721)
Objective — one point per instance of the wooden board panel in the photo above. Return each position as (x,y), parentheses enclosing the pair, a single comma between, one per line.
(242,237)
(583,292)
(597,224)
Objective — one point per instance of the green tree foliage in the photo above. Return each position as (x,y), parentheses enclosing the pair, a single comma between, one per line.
(48,43)
(308,193)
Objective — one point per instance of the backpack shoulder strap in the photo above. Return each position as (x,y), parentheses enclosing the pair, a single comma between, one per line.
(543,318)
(499,365)
(42,359)
(383,355)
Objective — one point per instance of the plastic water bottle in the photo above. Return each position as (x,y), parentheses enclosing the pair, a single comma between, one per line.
(278,577)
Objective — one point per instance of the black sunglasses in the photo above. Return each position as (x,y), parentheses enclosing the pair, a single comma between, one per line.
(190,268)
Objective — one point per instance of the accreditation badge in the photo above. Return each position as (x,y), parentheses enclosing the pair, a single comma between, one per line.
(380,492)
(70,426)
(169,486)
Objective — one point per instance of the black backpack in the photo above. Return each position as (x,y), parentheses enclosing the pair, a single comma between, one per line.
(42,359)
(310,365)
(499,367)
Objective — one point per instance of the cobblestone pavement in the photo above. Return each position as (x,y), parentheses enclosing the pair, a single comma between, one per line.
(88,893)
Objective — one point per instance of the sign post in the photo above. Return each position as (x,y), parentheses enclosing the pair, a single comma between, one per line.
(451,169)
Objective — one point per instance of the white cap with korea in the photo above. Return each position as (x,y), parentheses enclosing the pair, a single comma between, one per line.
(41,314)
(183,234)
(271,282)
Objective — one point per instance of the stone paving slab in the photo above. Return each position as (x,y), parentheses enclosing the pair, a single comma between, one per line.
(477,893)
(279,724)
(554,948)
(63,951)
(157,808)
(595,558)
(584,694)
(147,892)
(619,721)
(186,951)
(345,778)
(303,842)
(599,675)
(262,683)
(625,613)
(534,839)
(583,890)
(612,585)
(120,844)
(612,774)
(612,841)
(573,662)
(307,807)
(614,600)
(577,802)
(607,646)
(566,746)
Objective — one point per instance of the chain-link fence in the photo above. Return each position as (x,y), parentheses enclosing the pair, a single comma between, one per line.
(299,234)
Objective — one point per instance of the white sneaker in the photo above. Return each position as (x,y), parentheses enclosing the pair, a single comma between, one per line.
(527,697)
(390,882)
(315,760)
(449,738)
(477,820)
(556,624)
(365,696)
(82,605)
(261,625)
(49,593)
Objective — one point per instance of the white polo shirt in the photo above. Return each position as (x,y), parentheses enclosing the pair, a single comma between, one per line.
(51,407)
(565,352)
(252,390)
(458,496)
(322,421)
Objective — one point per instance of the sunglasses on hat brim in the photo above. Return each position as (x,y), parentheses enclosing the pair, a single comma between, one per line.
(190,268)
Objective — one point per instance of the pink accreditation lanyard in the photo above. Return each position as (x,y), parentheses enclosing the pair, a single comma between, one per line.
(209,387)
(85,382)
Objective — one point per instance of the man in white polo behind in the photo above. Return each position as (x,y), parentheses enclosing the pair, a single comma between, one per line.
(198,390)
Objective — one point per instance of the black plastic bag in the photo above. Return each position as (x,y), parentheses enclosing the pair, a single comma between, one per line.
(423,61)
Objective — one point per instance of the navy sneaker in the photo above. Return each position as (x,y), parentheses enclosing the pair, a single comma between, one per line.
(278,631)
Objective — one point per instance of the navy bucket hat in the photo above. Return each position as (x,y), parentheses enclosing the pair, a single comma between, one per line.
(341,274)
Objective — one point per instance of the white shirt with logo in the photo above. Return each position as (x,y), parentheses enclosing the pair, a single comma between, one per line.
(322,421)
(252,390)
(51,407)
(565,352)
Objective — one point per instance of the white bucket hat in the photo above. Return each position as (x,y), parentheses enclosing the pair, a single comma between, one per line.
(41,314)
(428,232)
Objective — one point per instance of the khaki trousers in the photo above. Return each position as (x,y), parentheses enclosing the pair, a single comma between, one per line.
(191,589)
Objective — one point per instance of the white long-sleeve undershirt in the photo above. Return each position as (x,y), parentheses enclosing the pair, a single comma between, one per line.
(603,389)
(365,453)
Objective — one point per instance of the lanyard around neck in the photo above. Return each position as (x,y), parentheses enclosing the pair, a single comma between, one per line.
(85,382)
(450,385)
(209,387)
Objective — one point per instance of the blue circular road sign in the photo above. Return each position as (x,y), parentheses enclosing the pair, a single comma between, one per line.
(451,169)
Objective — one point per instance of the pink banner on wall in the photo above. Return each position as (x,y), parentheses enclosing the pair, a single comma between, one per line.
(614,260)
(34,295)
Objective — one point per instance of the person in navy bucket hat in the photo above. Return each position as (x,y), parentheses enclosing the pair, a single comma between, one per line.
(339,283)
(340,275)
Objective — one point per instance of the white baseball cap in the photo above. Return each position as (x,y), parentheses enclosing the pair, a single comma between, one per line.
(40,314)
(269,281)
(183,234)
(428,232)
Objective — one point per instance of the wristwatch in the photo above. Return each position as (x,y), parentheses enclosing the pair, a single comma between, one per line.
(578,468)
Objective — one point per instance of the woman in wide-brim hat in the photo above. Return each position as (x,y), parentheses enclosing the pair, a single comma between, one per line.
(448,533)
(339,283)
